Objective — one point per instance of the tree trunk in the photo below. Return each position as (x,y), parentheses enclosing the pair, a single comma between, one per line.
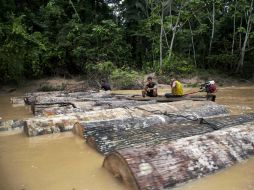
(107,136)
(61,96)
(17,101)
(233,40)
(47,109)
(11,125)
(213,28)
(174,34)
(85,129)
(59,123)
(243,49)
(165,165)
(193,46)
(71,3)
(161,35)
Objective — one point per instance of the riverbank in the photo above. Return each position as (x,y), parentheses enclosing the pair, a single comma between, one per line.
(135,83)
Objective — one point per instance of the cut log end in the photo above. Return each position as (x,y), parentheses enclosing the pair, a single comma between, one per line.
(78,130)
(117,166)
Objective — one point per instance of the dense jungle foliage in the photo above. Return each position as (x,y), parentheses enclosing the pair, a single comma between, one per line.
(100,38)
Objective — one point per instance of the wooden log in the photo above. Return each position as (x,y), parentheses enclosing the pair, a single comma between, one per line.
(37,109)
(30,98)
(47,109)
(61,96)
(165,165)
(61,123)
(150,131)
(58,111)
(11,125)
(45,125)
(171,99)
(122,103)
(85,129)
(19,101)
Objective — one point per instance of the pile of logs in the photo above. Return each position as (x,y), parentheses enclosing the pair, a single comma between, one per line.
(107,136)
(45,125)
(170,163)
(149,145)
(61,96)
(45,109)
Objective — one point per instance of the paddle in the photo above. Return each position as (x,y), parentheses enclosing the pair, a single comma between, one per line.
(193,92)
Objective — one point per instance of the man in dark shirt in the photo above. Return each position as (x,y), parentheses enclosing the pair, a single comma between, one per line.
(150,88)
(105,86)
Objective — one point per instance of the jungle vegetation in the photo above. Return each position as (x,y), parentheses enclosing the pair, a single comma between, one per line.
(102,38)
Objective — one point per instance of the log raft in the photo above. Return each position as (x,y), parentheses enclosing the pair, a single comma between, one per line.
(153,130)
(10,125)
(61,96)
(85,129)
(170,163)
(47,109)
(59,123)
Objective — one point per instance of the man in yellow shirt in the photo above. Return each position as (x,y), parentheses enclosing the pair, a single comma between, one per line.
(177,89)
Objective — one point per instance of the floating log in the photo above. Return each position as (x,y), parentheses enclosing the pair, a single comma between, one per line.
(59,123)
(47,109)
(19,101)
(85,129)
(165,165)
(150,131)
(11,125)
(61,96)
(171,99)
(122,103)
(37,109)
(55,110)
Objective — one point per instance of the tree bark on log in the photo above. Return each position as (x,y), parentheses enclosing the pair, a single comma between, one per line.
(164,99)
(47,109)
(11,125)
(59,123)
(61,96)
(61,108)
(152,130)
(17,101)
(85,129)
(165,165)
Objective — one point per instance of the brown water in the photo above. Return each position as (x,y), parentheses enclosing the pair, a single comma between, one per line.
(8,111)
(64,162)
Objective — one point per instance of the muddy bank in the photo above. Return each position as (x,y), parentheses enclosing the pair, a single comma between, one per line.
(78,83)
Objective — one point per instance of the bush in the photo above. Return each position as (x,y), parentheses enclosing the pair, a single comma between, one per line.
(178,65)
(125,79)
(100,70)
(49,87)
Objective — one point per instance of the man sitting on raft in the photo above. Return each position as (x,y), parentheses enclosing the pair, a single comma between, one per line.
(150,88)
(177,89)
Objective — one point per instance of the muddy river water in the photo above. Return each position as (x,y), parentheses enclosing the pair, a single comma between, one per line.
(64,162)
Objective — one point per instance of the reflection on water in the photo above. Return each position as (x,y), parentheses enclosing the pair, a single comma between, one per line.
(63,161)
